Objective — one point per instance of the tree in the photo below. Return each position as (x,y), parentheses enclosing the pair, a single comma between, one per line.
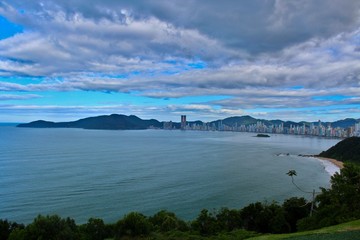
(17,234)
(264,218)
(133,224)
(51,228)
(205,223)
(344,194)
(167,221)
(250,216)
(338,204)
(295,209)
(228,220)
(94,229)
(6,228)
(293,173)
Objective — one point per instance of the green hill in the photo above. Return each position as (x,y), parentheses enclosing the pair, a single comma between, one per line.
(345,231)
(348,150)
(108,122)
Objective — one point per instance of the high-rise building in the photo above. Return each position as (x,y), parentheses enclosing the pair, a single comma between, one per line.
(357,129)
(168,125)
(183,122)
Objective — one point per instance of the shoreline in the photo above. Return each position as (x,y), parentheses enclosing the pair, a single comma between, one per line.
(337,163)
(331,165)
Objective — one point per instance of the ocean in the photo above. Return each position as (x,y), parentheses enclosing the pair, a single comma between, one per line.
(103,173)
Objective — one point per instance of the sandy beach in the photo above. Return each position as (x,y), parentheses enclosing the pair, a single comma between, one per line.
(333,161)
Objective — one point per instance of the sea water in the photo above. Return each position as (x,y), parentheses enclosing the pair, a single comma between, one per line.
(102,173)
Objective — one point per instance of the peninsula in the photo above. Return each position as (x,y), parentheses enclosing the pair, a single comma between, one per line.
(106,122)
(348,150)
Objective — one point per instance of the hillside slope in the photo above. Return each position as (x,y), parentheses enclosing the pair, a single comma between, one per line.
(345,231)
(348,150)
(108,122)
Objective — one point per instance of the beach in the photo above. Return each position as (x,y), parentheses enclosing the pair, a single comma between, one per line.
(331,165)
(337,163)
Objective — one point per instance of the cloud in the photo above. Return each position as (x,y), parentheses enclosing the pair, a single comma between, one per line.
(113,36)
(29,113)
(317,63)
(258,54)
(204,112)
(207,111)
(6,97)
(63,42)
(74,112)
(314,114)
(255,25)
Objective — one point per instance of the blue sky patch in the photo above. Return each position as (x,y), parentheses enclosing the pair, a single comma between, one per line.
(197,65)
(331,98)
(22,80)
(8,29)
(297,87)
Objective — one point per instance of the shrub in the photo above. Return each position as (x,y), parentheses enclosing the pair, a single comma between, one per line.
(165,221)
(133,224)
(205,223)
(295,209)
(51,227)
(94,229)
(264,218)
(6,228)
(229,219)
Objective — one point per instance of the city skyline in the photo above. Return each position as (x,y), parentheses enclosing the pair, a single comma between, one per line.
(274,59)
(306,129)
(301,128)
(344,128)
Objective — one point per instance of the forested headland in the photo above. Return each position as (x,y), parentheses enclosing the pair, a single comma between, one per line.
(348,150)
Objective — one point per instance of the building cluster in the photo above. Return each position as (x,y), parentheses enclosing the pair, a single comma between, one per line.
(357,130)
(319,129)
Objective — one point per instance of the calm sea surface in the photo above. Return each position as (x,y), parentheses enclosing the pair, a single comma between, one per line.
(93,173)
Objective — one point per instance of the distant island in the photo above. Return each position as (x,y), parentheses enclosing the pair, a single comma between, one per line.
(342,128)
(262,135)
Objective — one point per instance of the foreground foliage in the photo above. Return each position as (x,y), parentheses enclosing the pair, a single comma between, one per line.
(340,203)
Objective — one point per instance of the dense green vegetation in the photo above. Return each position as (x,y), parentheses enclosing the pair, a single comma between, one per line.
(340,203)
(344,231)
(350,235)
(347,150)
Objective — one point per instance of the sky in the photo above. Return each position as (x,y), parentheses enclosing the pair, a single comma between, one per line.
(63,60)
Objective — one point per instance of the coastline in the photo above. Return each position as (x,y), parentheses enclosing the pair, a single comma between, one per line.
(331,160)
(331,165)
